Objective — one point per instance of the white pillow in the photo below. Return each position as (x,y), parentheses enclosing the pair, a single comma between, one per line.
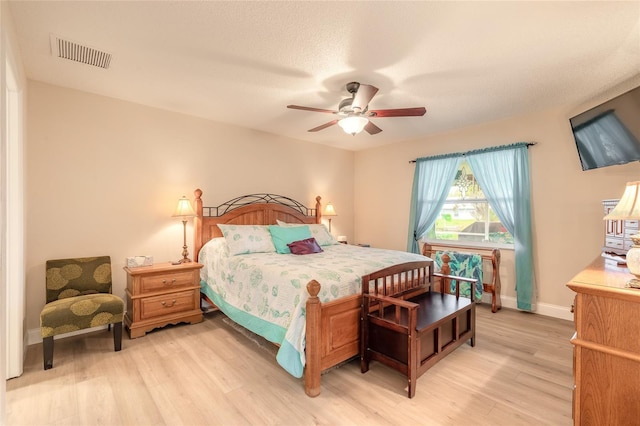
(244,239)
(318,231)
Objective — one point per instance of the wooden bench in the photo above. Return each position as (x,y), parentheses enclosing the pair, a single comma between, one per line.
(408,326)
(491,267)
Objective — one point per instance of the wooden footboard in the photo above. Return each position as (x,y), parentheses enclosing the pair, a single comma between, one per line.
(332,335)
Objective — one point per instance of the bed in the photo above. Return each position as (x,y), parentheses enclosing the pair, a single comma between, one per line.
(314,315)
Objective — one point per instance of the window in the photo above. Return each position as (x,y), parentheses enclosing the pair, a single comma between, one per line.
(466,216)
(504,173)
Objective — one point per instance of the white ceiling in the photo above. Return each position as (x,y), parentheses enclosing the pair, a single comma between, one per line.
(242,62)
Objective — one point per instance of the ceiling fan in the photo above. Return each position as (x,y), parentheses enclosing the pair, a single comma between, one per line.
(354,112)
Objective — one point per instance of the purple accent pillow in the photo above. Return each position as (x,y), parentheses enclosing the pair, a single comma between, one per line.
(307,246)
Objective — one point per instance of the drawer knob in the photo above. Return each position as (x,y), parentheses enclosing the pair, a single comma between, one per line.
(163,303)
(173,281)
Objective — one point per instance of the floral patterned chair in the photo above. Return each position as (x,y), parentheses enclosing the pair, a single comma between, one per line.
(79,297)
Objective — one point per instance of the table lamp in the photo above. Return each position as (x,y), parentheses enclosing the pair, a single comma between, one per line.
(329,211)
(185,211)
(628,208)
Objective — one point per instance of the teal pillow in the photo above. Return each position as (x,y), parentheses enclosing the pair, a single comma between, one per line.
(282,236)
(318,231)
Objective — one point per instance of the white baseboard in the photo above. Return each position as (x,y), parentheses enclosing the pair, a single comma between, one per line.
(555,311)
(34,337)
(546,309)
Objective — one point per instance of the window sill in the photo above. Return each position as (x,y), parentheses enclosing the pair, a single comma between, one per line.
(471,245)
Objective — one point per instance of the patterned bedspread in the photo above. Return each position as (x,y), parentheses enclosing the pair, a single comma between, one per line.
(266,292)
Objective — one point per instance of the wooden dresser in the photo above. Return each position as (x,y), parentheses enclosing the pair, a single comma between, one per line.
(162,294)
(606,346)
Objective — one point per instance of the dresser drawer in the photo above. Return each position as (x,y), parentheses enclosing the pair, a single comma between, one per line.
(156,306)
(166,281)
(628,244)
(614,242)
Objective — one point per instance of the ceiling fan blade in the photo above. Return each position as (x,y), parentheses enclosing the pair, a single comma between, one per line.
(311,109)
(363,96)
(398,112)
(324,126)
(372,129)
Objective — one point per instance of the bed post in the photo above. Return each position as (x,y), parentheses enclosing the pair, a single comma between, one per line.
(197,224)
(445,269)
(318,210)
(313,345)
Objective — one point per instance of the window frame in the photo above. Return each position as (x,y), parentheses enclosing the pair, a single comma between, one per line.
(471,244)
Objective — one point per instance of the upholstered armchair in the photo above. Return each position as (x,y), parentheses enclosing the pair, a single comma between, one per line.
(79,297)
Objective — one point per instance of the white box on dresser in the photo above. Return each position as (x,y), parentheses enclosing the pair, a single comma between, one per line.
(617,233)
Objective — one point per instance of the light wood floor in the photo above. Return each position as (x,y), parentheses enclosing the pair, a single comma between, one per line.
(519,373)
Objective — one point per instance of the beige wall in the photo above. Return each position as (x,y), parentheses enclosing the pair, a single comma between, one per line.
(567,214)
(104,177)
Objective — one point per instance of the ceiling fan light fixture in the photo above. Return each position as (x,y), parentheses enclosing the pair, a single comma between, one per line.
(354,112)
(353,124)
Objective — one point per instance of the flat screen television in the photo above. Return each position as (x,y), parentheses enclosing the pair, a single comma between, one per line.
(609,134)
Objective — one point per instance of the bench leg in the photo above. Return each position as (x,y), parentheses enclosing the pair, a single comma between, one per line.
(412,364)
(364,364)
(411,381)
(364,340)
(472,325)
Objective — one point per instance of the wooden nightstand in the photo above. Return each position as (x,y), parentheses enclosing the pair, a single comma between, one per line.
(162,294)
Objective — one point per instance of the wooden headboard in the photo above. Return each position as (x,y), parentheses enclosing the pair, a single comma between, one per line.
(254,209)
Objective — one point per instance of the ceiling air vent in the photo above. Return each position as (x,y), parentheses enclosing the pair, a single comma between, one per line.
(72,51)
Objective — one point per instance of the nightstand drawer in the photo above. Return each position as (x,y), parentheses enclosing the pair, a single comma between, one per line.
(164,282)
(157,306)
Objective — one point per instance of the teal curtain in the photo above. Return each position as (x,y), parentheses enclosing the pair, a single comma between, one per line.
(431,182)
(503,175)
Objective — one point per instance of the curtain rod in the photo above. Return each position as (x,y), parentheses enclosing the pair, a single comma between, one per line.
(462,154)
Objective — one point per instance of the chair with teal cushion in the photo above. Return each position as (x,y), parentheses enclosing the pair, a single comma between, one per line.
(79,297)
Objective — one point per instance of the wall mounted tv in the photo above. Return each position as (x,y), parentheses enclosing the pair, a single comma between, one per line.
(609,134)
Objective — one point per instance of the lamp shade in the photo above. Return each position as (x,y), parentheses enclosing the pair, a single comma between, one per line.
(629,205)
(329,210)
(353,124)
(184,208)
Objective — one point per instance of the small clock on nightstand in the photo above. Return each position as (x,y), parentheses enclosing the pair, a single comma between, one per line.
(162,294)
